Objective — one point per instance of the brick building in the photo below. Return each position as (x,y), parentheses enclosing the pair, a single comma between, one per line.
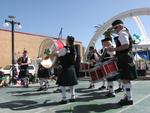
(30,42)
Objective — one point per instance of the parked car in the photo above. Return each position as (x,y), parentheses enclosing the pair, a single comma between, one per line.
(7,70)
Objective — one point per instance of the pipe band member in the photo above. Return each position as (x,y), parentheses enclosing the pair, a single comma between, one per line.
(92,58)
(43,75)
(68,76)
(125,60)
(24,61)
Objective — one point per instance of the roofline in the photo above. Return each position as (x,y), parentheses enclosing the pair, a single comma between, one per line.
(33,34)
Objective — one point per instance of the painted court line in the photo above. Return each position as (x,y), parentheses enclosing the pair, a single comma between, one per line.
(133,104)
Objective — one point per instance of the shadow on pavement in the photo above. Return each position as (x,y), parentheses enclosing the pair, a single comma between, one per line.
(26,104)
(91,108)
(92,96)
(21,91)
(33,94)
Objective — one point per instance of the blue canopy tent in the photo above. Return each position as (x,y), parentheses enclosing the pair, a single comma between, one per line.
(145,54)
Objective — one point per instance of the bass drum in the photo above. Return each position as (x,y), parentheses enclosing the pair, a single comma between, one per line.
(46,50)
(48,46)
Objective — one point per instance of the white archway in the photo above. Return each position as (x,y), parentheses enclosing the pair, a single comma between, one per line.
(126,14)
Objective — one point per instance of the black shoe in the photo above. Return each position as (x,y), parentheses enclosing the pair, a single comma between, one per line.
(40,89)
(119,90)
(45,88)
(125,101)
(72,100)
(57,91)
(63,102)
(102,87)
(110,95)
(91,87)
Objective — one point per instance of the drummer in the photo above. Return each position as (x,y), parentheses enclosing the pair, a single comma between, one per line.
(43,75)
(92,58)
(125,60)
(105,56)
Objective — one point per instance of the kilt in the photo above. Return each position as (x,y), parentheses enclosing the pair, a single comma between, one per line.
(126,66)
(67,77)
(113,78)
(43,72)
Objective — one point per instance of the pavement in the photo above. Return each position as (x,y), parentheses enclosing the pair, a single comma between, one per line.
(14,99)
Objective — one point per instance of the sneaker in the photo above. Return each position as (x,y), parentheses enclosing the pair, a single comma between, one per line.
(91,87)
(119,90)
(57,91)
(63,102)
(72,100)
(40,89)
(125,101)
(111,94)
(102,87)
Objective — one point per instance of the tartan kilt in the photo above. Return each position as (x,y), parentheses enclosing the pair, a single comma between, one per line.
(126,67)
(67,77)
(43,72)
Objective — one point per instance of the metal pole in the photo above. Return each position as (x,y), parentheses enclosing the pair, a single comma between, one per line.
(12,34)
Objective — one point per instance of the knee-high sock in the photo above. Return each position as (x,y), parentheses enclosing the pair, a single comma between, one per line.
(91,83)
(120,84)
(103,82)
(41,82)
(72,92)
(111,87)
(63,89)
(128,91)
(46,83)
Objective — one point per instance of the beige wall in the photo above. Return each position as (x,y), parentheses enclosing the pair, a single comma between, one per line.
(28,41)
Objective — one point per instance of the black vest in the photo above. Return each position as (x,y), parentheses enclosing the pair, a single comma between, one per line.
(118,44)
(68,59)
(24,61)
(91,56)
(105,56)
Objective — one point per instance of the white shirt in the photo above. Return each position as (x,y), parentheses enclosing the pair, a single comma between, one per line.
(123,37)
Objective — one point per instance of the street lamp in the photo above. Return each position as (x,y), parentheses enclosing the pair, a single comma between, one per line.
(12,23)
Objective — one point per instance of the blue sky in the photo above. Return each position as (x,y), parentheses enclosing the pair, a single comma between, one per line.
(76,17)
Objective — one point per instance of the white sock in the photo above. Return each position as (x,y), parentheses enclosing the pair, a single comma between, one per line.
(63,89)
(46,83)
(128,91)
(91,83)
(103,83)
(120,84)
(111,87)
(41,82)
(72,92)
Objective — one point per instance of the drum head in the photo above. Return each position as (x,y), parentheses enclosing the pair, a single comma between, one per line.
(49,62)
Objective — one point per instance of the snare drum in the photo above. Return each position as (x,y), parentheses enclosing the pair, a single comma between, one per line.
(109,68)
(96,74)
(84,66)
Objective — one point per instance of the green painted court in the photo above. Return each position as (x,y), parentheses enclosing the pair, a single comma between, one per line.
(27,100)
